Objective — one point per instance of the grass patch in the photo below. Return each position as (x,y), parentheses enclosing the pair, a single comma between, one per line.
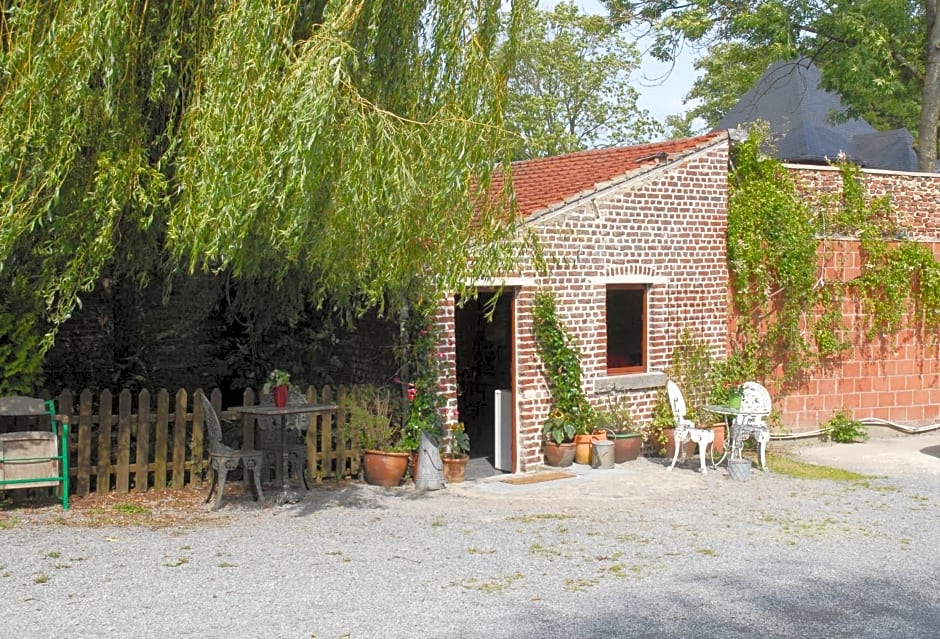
(786,465)
(528,519)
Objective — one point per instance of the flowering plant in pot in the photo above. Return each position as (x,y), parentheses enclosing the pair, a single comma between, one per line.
(278,385)
(455,454)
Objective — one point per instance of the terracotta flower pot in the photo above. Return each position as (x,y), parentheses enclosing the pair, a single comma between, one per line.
(384,468)
(583,443)
(455,467)
(626,446)
(559,455)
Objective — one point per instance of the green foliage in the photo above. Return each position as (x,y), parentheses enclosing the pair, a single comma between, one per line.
(457,442)
(20,343)
(874,53)
(420,376)
(369,415)
(571,414)
(772,243)
(845,430)
(617,415)
(344,142)
(793,315)
(569,89)
(277,377)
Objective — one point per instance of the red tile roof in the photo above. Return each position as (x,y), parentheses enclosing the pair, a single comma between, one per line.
(540,183)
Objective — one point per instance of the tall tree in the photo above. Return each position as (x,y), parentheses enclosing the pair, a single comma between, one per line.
(881,56)
(569,89)
(344,141)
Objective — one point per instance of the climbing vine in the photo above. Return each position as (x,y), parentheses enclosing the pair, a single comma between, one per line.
(789,314)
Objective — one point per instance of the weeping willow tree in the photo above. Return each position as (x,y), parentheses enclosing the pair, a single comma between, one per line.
(343,144)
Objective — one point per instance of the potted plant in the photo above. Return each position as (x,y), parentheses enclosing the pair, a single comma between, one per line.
(278,385)
(617,420)
(455,454)
(571,414)
(368,410)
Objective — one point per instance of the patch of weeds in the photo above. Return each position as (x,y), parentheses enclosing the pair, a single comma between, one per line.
(845,430)
(579,585)
(131,509)
(175,563)
(786,465)
(9,521)
(528,519)
(40,579)
(437,522)
(491,586)
(60,566)
(707,552)
(631,537)
(538,549)
(52,554)
(473,550)
(226,564)
(622,572)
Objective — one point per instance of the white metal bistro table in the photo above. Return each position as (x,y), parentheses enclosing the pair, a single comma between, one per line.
(280,414)
(735,434)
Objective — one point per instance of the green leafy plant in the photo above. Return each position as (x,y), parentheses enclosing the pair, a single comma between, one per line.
(845,430)
(456,442)
(571,413)
(277,377)
(617,416)
(369,415)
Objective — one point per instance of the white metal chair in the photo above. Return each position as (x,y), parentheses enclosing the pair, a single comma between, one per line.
(686,429)
(751,422)
(223,459)
(269,439)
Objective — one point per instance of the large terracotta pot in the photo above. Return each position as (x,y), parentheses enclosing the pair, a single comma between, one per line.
(455,467)
(626,446)
(559,455)
(384,468)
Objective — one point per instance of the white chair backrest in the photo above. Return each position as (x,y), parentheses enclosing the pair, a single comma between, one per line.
(676,402)
(755,399)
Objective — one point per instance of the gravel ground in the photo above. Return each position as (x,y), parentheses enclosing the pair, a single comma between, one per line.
(629,552)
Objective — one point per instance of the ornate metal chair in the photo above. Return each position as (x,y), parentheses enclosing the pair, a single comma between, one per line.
(751,422)
(686,429)
(223,459)
(269,439)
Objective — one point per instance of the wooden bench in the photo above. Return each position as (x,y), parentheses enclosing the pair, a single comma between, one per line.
(38,456)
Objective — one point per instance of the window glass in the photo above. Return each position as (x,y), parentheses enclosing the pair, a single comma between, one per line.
(626,328)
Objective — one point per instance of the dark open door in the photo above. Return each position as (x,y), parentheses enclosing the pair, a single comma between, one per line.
(485,356)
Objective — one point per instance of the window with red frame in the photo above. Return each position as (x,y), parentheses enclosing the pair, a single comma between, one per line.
(626,328)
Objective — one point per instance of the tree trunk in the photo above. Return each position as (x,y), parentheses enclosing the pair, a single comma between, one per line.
(930,105)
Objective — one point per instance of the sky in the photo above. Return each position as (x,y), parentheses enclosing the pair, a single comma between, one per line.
(660,98)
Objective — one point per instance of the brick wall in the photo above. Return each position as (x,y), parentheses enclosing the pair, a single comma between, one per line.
(897,378)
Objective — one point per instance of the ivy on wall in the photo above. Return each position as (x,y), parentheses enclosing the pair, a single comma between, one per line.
(789,315)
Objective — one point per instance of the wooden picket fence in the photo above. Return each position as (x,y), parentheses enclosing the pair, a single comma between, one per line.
(147,445)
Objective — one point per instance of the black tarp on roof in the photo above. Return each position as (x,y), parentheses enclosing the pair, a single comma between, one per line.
(803,128)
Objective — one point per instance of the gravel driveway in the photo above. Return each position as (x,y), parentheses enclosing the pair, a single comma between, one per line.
(631,552)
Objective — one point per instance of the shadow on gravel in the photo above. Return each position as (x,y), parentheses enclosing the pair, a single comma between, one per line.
(933,451)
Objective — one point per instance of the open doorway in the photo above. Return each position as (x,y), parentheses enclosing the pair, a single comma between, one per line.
(485,355)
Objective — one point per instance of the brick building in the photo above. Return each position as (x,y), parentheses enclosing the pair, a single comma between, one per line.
(634,239)
(635,242)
